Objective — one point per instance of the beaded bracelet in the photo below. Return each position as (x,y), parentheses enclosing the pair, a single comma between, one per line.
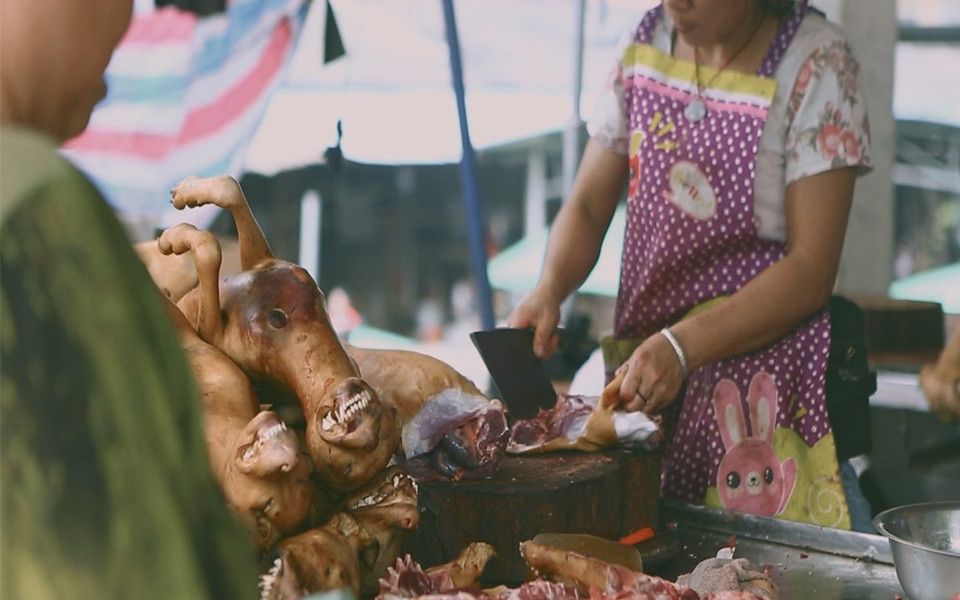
(677,348)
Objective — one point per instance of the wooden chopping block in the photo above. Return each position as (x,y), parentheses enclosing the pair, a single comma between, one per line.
(607,494)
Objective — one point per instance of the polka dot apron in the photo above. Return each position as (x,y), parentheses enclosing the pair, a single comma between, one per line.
(751,433)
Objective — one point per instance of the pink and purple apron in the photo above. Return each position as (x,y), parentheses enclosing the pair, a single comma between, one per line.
(752,433)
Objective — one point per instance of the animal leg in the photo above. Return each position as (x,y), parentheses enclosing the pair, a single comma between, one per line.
(184,238)
(175,276)
(465,570)
(566,567)
(225,192)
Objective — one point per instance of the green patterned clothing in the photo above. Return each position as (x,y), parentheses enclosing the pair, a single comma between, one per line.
(104,482)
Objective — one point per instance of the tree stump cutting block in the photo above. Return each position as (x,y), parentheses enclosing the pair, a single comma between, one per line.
(606,494)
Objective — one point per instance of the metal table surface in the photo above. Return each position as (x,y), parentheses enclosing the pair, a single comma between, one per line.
(805,561)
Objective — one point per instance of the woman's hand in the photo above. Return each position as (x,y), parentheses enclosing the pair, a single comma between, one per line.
(941,386)
(540,310)
(940,382)
(651,378)
(574,243)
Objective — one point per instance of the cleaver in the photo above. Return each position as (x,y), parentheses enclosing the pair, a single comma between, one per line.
(516,371)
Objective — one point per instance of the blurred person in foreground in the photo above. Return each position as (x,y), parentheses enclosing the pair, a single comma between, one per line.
(941,381)
(104,481)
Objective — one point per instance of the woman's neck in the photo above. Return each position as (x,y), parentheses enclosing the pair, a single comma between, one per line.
(742,49)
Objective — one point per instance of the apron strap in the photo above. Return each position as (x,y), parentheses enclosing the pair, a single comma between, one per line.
(647,24)
(782,40)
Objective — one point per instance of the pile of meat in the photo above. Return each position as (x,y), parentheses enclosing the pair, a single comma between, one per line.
(565,575)
(300,428)
(584,423)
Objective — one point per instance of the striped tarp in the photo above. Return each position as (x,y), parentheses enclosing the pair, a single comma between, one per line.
(186,95)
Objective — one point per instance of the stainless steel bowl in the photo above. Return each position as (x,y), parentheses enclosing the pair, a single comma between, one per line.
(925,543)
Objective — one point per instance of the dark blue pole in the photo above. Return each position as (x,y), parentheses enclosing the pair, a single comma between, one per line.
(468,177)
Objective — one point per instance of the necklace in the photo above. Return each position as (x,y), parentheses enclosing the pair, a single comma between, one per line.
(697,109)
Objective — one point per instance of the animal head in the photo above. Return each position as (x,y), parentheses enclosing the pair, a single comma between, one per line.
(352,435)
(317,560)
(750,477)
(389,501)
(266,447)
(386,509)
(267,482)
(275,327)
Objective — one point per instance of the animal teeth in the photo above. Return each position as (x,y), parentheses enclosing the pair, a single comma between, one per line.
(273,431)
(380,496)
(268,579)
(346,411)
(366,501)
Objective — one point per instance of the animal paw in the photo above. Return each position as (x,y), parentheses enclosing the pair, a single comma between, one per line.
(222,191)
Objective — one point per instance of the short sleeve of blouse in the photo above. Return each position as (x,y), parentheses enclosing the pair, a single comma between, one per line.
(609,123)
(827,115)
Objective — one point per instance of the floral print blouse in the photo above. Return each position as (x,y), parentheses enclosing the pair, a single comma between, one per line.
(816,122)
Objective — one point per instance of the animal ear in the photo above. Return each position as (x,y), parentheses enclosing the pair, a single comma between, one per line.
(762,399)
(729,413)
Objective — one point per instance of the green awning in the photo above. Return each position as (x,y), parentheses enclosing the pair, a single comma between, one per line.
(517,268)
(365,336)
(941,284)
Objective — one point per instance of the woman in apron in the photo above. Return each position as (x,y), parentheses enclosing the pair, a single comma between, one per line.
(739,128)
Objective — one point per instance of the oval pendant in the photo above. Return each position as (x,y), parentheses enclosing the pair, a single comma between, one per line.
(695,111)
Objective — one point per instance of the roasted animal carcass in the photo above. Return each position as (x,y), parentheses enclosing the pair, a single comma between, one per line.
(270,319)
(442,411)
(713,579)
(589,574)
(407,579)
(385,509)
(353,548)
(316,560)
(254,457)
(564,575)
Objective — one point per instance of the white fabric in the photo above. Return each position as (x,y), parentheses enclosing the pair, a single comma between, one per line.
(798,139)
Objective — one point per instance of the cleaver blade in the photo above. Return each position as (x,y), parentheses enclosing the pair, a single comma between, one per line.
(516,371)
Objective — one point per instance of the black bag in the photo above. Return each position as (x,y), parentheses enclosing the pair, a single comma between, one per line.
(849,380)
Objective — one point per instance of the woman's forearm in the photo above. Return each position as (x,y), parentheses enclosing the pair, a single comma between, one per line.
(763,311)
(578,231)
(788,292)
(572,250)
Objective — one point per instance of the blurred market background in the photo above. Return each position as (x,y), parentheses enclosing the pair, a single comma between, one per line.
(340,119)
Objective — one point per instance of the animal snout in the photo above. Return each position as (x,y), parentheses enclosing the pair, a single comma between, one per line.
(753,482)
(352,387)
(351,390)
